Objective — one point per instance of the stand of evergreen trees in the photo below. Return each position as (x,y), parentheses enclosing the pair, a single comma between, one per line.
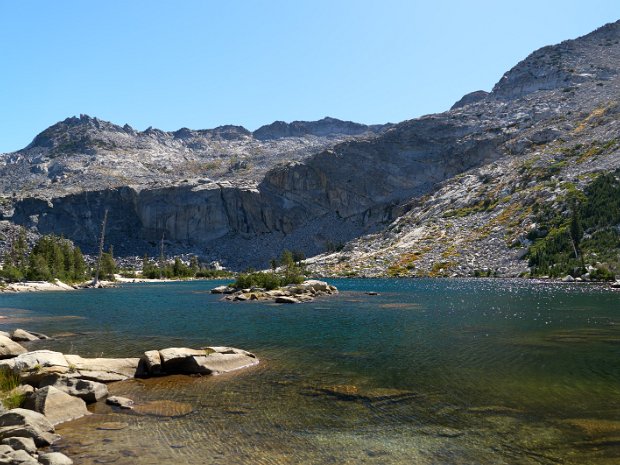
(178,270)
(52,257)
(288,270)
(587,233)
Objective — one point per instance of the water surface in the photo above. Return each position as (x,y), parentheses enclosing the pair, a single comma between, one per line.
(427,372)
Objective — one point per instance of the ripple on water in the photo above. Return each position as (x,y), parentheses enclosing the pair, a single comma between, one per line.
(481,372)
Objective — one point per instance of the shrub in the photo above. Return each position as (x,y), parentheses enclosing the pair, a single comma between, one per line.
(11,273)
(8,382)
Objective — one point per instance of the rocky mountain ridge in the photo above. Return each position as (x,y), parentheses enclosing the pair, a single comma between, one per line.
(86,153)
(413,193)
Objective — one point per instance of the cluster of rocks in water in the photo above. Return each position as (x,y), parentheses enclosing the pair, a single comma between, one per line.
(291,294)
(57,387)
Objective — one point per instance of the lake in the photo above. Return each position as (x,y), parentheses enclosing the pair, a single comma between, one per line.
(427,372)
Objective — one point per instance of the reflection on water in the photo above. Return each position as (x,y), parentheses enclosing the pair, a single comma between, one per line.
(427,372)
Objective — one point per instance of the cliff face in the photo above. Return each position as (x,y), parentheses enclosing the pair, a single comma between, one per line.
(242,197)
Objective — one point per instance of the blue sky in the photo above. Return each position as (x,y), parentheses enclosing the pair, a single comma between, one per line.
(200,64)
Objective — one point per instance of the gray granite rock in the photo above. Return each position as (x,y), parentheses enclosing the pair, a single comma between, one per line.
(121,402)
(10,348)
(56,405)
(21,335)
(26,423)
(18,443)
(89,391)
(54,458)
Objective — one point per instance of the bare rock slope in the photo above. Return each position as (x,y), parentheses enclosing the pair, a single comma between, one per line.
(452,188)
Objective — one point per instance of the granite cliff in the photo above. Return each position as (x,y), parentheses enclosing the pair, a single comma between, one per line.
(449,191)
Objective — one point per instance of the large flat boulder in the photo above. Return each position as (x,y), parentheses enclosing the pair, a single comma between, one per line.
(26,423)
(36,365)
(217,363)
(35,359)
(57,406)
(10,348)
(104,370)
(210,360)
(32,366)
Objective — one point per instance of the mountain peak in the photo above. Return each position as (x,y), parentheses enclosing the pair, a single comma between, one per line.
(594,56)
(324,127)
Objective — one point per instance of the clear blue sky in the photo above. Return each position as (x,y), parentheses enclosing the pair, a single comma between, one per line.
(201,64)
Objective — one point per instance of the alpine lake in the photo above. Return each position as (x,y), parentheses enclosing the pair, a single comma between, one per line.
(427,372)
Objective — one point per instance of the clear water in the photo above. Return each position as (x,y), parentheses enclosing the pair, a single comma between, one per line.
(428,372)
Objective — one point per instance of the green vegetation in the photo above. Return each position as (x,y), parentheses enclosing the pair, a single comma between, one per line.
(291,272)
(482,206)
(8,382)
(176,269)
(441,269)
(404,266)
(52,257)
(535,170)
(585,233)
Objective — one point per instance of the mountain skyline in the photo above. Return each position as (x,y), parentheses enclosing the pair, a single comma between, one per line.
(203,66)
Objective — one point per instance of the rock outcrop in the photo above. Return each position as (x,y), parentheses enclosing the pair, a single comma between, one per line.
(290,294)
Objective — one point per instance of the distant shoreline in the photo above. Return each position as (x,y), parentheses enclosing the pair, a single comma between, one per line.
(44,286)
(57,286)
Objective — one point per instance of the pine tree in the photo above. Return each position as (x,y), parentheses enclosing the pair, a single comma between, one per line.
(79,266)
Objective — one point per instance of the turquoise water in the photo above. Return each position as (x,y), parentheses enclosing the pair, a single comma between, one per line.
(428,372)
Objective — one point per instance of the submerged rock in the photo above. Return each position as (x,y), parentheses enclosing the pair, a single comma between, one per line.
(121,402)
(595,426)
(112,426)
(350,392)
(164,408)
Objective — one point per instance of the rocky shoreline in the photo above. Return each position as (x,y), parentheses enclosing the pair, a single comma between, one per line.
(52,388)
(291,294)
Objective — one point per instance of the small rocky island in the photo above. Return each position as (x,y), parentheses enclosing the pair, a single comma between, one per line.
(290,294)
(43,388)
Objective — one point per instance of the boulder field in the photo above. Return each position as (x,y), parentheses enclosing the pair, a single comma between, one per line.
(57,387)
